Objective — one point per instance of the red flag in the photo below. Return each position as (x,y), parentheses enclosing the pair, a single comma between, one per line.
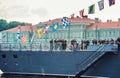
(46,29)
(72,16)
(24,39)
(81,13)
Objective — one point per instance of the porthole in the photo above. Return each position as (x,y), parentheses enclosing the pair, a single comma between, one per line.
(15,56)
(3,56)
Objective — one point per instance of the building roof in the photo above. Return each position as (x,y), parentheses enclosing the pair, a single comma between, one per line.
(100,25)
(74,20)
(22,28)
(105,25)
(70,20)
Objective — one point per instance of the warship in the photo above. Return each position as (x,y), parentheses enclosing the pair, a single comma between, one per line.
(95,60)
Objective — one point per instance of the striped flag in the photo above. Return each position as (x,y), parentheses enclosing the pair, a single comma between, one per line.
(101,5)
(65,22)
(32,35)
(111,2)
(40,32)
(18,33)
(81,13)
(24,39)
(91,9)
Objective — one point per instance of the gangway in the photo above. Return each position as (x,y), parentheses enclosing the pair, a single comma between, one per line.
(95,56)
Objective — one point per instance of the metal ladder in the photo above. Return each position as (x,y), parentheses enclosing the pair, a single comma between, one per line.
(92,58)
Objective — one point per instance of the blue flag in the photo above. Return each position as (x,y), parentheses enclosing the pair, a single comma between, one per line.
(54,26)
(65,22)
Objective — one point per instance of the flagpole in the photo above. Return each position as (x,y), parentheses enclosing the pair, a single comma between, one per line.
(30,42)
(20,36)
(46,37)
(7,41)
(69,31)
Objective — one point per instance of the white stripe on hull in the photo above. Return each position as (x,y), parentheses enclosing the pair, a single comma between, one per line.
(39,74)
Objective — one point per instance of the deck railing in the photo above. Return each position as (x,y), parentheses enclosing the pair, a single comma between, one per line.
(46,47)
(21,47)
(28,47)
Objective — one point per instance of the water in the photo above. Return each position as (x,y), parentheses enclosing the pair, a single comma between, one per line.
(29,76)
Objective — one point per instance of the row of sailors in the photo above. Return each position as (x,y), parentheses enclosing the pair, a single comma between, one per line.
(99,42)
(58,44)
(61,44)
(74,45)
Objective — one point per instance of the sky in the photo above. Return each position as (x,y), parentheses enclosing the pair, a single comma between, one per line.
(35,11)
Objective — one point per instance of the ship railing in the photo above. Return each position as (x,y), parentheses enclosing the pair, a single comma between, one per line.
(92,58)
(23,47)
(37,47)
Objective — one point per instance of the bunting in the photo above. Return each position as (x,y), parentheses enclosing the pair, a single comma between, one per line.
(40,32)
(81,13)
(54,26)
(46,29)
(111,2)
(91,9)
(4,35)
(24,39)
(65,22)
(72,16)
(101,5)
(18,32)
(32,35)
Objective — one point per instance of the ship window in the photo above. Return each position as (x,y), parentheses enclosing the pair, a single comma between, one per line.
(15,56)
(3,56)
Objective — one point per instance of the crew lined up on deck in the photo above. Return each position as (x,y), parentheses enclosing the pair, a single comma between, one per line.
(58,44)
(100,42)
(63,45)
(74,45)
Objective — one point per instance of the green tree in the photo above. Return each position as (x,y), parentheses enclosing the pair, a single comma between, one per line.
(13,24)
(3,24)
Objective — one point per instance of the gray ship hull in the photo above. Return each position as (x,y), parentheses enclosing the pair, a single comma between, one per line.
(107,66)
(44,63)
(61,63)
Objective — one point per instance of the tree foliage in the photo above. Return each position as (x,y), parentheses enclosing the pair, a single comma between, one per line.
(4,25)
